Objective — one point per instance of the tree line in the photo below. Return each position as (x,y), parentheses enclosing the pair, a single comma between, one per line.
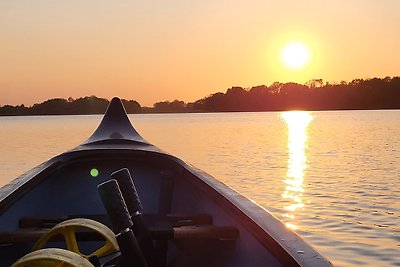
(375,93)
(70,106)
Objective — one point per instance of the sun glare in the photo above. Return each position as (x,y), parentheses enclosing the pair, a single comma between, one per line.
(295,55)
(297,123)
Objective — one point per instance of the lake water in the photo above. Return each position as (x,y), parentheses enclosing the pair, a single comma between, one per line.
(333,177)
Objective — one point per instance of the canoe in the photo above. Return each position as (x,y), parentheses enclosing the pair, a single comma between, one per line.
(182,217)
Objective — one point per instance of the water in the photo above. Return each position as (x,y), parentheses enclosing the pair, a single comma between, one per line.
(333,177)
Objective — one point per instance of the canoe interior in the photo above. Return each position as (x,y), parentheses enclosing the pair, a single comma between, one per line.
(164,186)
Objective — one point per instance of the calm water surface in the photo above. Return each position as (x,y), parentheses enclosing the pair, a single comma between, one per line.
(333,177)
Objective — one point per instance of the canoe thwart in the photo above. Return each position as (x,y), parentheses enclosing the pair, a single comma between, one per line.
(161,227)
(175,219)
(195,232)
(22,236)
(159,233)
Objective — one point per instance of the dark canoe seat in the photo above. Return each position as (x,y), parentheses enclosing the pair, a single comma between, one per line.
(161,227)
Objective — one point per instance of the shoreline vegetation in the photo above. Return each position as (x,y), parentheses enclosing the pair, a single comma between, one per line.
(359,94)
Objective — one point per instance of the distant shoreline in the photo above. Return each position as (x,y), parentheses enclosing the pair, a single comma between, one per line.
(200,112)
(359,94)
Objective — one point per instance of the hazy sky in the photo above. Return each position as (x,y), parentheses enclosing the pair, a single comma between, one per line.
(164,50)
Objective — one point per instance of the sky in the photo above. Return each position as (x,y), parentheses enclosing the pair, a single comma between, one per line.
(159,50)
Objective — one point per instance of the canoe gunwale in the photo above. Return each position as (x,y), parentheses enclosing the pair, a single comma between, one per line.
(285,244)
(14,190)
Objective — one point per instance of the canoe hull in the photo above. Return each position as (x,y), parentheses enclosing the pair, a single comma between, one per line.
(65,185)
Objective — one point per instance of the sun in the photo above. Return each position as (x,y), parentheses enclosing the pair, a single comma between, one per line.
(295,55)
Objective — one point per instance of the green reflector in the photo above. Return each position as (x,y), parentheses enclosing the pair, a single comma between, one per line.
(94,172)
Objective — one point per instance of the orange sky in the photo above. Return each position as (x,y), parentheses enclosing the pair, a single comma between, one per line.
(164,50)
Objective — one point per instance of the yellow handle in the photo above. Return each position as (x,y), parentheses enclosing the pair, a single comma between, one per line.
(52,257)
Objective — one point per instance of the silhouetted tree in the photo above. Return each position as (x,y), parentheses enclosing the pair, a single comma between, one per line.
(59,106)
(167,106)
(132,106)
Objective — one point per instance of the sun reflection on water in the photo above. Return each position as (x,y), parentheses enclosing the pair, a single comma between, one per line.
(297,123)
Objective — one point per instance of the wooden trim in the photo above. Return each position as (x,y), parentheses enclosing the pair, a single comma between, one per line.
(206,232)
(174,219)
(159,233)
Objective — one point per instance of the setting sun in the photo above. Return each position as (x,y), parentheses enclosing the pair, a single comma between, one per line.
(295,55)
